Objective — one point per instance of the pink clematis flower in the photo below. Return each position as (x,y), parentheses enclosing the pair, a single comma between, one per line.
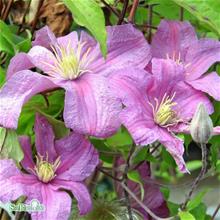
(76,65)
(178,41)
(153,198)
(164,104)
(60,164)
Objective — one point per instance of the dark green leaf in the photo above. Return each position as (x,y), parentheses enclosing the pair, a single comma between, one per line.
(199,212)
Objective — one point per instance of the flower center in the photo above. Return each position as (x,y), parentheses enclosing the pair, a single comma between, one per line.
(70,63)
(163,113)
(177,59)
(45,170)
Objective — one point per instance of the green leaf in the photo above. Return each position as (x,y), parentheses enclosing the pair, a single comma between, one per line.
(120,139)
(206,11)
(186,216)
(5,45)
(2,76)
(173,208)
(89,14)
(166,192)
(168,158)
(38,104)
(194,165)
(193,203)
(10,42)
(9,145)
(141,16)
(199,212)
(106,154)
(135,177)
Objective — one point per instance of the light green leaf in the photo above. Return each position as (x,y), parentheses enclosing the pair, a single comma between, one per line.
(166,192)
(2,76)
(206,11)
(186,216)
(89,14)
(193,203)
(194,165)
(121,139)
(9,145)
(5,45)
(135,177)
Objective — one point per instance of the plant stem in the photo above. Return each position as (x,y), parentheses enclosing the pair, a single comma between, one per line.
(7,10)
(123,13)
(141,204)
(107,174)
(34,24)
(199,177)
(128,202)
(181,13)
(133,10)
(125,178)
(111,8)
(215,212)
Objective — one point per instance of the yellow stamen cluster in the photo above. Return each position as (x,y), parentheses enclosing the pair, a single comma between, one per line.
(45,170)
(69,62)
(177,58)
(163,113)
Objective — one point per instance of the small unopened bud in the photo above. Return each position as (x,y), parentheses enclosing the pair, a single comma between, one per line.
(201,126)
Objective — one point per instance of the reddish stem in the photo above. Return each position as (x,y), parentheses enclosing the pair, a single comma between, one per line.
(133,10)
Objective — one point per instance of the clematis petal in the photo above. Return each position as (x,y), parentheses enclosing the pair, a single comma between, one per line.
(42,58)
(79,191)
(209,83)
(57,203)
(44,37)
(128,83)
(27,161)
(44,138)
(185,95)
(174,146)
(90,106)
(10,189)
(216,130)
(78,157)
(16,91)
(20,61)
(69,41)
(167,72)
(86,38)
(126,47)
(200,57)
(172,40)
(139,125)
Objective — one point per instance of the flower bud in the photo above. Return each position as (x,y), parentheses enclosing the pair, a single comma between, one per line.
(201,126)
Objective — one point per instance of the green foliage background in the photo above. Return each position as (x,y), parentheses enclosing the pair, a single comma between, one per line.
(91,14)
